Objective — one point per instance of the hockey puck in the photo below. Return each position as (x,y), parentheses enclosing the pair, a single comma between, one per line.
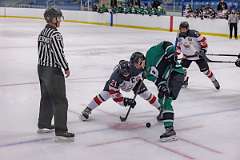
(148,124)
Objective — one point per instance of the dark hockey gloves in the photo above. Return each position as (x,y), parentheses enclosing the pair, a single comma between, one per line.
(237,63)
(201,53)
(163,89)
(129,102)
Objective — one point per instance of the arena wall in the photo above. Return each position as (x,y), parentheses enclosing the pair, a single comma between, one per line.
(215,27)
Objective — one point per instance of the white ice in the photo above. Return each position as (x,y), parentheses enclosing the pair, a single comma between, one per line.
(206,120)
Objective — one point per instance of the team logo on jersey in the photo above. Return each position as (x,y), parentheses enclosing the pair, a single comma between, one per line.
(180,40)
(190,39)
(186,45)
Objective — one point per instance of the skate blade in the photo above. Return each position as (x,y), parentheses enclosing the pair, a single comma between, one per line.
(169,139)
(217,87)
(61,139)
(83,118)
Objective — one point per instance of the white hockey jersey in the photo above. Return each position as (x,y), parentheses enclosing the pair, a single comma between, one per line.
(190,43)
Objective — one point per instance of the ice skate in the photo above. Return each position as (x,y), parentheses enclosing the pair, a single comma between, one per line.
(216,84)
(64,137)
(185,83)
(169,135)
(85,114)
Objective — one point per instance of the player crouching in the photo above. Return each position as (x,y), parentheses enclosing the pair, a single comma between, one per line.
(126,76)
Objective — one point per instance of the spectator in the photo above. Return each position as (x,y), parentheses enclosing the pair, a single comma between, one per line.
(188,12)
(155,4)
(94,7)
(102,9)
(222,6)
(233,24)
(113,3)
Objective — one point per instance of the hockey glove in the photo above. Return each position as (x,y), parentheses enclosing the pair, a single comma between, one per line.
(129,102)
(237,63)
(163,89)
(201,53)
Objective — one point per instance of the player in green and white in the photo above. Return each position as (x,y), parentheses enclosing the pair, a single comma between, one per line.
(163,69)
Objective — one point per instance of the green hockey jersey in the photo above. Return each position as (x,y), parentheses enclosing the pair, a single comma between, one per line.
(156,65)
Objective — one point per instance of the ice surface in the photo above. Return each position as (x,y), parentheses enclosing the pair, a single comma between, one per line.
(207,121)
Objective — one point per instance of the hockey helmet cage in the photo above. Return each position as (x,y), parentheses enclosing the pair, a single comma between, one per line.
(124,68)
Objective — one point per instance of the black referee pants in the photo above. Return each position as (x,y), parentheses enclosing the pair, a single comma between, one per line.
(53,98)
(233,26)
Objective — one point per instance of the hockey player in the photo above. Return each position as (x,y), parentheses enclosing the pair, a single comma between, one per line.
(237,63)
(126,76)
(193,46)
(163,69)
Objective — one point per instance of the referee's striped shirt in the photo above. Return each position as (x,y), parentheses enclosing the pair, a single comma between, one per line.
(50,48)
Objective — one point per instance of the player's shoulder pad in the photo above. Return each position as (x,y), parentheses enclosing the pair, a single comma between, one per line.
(116,75)
(182,34)
(193,33)
(149,51)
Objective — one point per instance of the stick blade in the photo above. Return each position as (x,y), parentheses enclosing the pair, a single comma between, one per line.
(123,119)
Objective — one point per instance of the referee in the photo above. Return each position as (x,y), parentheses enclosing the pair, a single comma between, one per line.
(233,24)
(51,60)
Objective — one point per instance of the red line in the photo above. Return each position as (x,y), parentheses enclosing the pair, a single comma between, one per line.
(200,145)
(126,126)
(112,142)
(161,146)
(168,149)
(147,141)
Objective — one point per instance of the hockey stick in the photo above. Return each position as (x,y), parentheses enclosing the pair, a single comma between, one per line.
(214,61)
(123,119)
(170,72)
(226,55)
